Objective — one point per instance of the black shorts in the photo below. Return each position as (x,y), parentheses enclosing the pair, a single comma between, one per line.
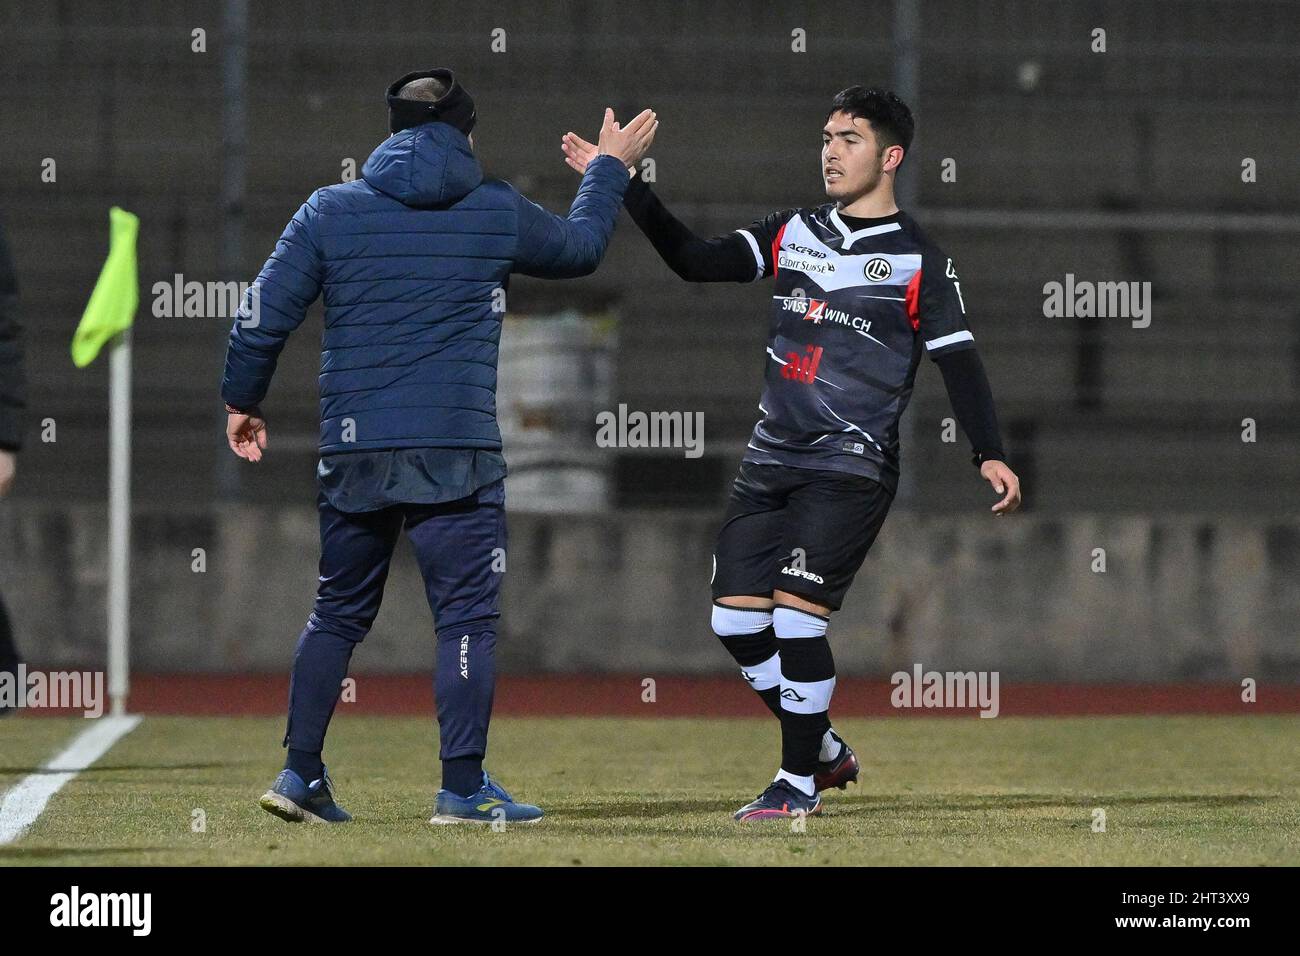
(797,530)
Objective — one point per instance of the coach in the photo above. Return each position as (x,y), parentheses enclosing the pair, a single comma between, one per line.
(413,260)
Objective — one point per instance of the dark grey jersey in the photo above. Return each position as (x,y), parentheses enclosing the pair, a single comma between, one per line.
(852,311)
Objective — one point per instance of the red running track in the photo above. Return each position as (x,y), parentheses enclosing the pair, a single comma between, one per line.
(618,695)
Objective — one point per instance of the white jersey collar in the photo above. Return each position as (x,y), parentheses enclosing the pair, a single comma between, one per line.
(853,236)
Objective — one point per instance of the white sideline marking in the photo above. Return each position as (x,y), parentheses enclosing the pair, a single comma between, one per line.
(25,802)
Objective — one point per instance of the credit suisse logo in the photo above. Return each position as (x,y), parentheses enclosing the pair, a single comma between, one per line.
(805,260)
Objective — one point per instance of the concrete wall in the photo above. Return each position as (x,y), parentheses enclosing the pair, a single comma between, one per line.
(1182,597)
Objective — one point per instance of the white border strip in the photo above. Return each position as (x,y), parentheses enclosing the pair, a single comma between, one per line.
(962,336)
(758,256)
(851,237)
(25,802)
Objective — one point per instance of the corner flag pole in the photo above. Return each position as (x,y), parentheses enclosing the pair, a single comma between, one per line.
(107,320)
(119,521)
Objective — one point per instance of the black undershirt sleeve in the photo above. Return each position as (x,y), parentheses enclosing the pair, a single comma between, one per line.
(726,258)
(972,402)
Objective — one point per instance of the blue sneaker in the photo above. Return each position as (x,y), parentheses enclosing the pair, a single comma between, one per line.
(780,799)
(489,804)
(293,800)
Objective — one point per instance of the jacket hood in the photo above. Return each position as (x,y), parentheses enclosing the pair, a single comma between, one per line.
(427,165)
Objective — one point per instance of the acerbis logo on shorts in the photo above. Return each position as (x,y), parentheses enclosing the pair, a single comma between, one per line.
(800,573)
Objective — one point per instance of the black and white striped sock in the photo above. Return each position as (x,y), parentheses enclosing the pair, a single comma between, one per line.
(807,683)
(747,635)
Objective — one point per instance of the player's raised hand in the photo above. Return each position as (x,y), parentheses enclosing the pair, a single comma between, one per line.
(246,433)
(627,143)
(1005,483)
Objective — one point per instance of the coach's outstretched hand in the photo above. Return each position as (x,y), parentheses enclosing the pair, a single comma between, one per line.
(246,433)
(627,143)
(1004,482)
(577,151)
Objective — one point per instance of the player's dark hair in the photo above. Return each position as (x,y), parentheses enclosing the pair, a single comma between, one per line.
(888,115)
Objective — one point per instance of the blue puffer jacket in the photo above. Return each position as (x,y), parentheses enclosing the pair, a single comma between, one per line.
(413,259)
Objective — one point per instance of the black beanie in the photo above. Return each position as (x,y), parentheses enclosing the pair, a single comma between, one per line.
(455,107)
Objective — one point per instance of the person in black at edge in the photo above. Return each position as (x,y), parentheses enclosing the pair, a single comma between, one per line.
(860,293)
(12,403)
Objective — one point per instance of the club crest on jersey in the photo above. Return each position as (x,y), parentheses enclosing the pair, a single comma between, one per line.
(877,269)
(803,368)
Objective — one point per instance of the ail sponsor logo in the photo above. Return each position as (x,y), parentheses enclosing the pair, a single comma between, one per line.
(802,368)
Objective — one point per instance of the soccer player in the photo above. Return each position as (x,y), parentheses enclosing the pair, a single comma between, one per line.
(860,294)
(411,259)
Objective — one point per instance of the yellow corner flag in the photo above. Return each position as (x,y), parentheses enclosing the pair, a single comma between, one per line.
(112,305)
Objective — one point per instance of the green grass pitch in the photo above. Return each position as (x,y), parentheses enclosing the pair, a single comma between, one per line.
(1175,791)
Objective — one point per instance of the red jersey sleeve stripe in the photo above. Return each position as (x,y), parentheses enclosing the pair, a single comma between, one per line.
(914,301)
(776,245)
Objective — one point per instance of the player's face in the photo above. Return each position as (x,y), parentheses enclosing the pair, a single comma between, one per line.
(852,160)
